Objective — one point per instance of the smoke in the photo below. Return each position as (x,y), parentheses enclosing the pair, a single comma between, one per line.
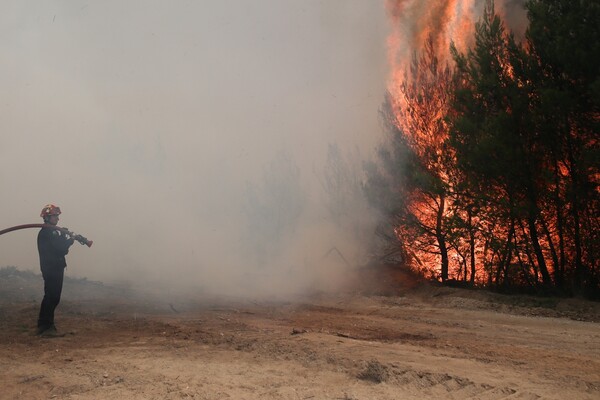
(190,140)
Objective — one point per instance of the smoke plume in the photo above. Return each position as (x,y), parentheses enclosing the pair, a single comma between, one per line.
(189,140)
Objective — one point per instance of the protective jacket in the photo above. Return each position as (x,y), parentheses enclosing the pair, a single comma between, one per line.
(53,246)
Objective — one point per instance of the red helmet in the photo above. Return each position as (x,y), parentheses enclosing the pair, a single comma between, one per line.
(48,210)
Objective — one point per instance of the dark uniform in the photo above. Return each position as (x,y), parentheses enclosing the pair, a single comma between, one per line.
(53,245)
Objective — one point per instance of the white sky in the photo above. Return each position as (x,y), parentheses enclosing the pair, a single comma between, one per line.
(145,121)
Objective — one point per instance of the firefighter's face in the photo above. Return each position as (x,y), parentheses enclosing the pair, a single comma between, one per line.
(53,219)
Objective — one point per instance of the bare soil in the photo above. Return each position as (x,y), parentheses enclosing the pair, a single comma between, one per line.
(388,337)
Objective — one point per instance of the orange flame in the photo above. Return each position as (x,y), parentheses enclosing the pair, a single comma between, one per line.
(413,21)
(446,22)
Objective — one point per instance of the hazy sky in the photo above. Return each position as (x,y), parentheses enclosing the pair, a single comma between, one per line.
(148,121)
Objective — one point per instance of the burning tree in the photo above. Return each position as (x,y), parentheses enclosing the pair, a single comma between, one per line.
(496,144)
(418,112)
(526,126)
(564,42)
(421,169)
(496,166)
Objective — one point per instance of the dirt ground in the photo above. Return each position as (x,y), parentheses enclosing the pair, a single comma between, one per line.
(385,338)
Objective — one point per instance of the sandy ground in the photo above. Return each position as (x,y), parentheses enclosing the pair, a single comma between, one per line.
(393,342)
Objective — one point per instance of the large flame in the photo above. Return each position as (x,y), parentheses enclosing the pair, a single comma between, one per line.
(413,21)
(416,24)
(446,22)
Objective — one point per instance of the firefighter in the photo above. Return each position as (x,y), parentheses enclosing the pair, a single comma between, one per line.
(53,246)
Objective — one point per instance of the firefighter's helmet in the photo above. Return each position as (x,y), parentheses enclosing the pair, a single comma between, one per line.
(48,210)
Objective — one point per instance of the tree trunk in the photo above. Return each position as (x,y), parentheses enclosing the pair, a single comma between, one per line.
(555,262)
(579,268)
(505,261)
(559,272)
(471,246)
(535,242)
(440,236)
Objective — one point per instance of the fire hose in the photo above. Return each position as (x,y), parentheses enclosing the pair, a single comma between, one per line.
(75,236)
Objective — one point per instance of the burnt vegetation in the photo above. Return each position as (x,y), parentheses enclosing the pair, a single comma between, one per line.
(490,174)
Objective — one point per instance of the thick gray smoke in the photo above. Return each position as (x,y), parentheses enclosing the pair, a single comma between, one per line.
(191,140)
